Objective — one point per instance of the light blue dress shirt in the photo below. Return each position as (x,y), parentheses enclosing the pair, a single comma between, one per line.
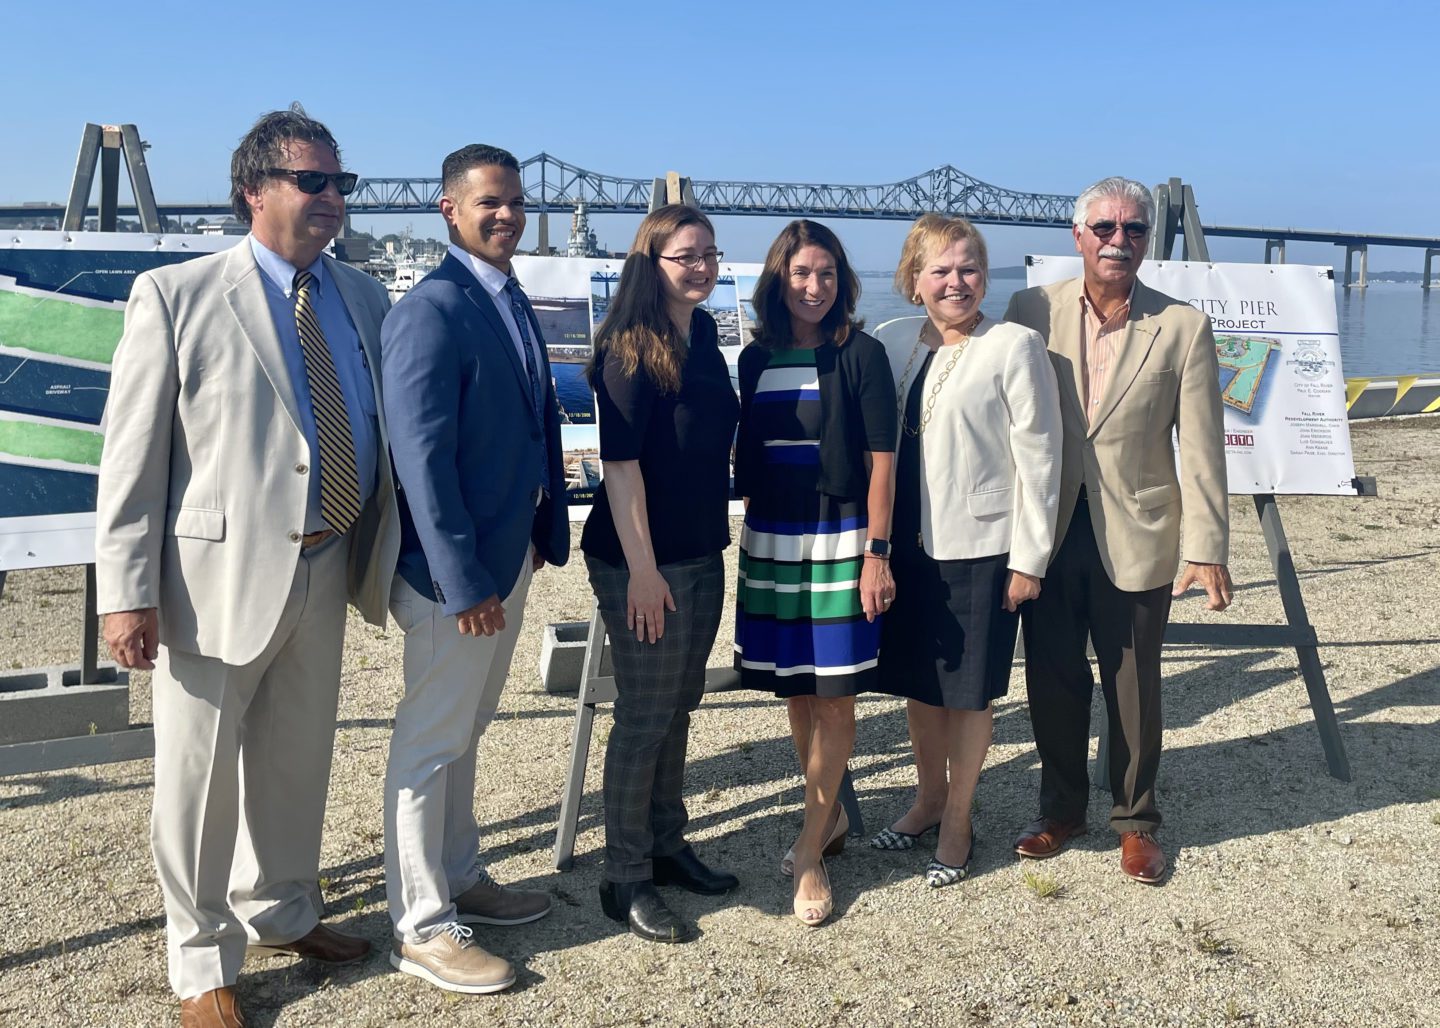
(351,367)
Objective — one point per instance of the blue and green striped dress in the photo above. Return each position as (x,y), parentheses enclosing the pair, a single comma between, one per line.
(799,627)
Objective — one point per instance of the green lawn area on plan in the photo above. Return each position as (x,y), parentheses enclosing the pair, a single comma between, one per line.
(50,442)
(60,328)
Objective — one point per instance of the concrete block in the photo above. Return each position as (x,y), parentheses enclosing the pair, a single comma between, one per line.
(562,657)
(50,703)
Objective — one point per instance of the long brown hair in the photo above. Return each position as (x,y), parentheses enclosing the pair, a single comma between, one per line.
(637,330)
(772,317)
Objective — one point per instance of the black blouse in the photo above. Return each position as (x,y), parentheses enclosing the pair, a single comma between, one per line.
(683,445)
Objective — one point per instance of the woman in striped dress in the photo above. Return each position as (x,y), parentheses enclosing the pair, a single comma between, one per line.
(813,462)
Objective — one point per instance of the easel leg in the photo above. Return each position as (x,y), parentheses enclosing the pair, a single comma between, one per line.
(851,803)
(1309,657)
(90,642)
(574,786)
(1101,775)
(580,744)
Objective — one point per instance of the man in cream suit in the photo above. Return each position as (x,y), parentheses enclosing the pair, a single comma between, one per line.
(1133,365)
(245,491)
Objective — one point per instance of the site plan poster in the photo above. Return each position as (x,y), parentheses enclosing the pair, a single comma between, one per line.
(1278,342)
(62,309)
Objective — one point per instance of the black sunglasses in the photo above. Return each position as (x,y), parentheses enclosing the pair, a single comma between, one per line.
(1106,229)
(313,182)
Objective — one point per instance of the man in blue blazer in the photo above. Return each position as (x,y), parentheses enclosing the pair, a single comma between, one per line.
(475,434)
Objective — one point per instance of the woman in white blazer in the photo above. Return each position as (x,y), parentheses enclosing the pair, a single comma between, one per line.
(977,486)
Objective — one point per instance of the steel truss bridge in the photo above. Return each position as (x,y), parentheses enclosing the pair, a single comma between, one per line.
(556,186)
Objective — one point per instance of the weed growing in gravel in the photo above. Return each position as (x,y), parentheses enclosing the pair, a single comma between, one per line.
(1206,941)
(1235,1015)
(1043,886)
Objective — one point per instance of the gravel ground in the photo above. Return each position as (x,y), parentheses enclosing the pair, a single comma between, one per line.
(1295,899)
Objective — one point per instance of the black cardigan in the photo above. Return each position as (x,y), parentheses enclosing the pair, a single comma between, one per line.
(857,414)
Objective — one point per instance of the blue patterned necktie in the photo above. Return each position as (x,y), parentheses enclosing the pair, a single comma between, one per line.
(339,479)
(520,310)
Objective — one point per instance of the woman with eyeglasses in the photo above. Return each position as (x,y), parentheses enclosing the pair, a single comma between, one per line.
(976,494)
(813,459)
(652,546)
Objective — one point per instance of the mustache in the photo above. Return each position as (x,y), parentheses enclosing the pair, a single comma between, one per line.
(1117,251)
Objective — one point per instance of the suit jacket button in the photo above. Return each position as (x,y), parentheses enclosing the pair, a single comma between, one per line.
(300,469)
(294,537)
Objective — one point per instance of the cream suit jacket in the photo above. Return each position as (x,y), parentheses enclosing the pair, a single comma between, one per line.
(204,473)
(990,454)
(1166,377)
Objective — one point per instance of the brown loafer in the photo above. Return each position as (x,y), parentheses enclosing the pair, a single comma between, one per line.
(322,944)
(1045,837)
(217,1008)
(1141,857)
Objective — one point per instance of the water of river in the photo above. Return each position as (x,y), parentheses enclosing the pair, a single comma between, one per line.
(1390,328)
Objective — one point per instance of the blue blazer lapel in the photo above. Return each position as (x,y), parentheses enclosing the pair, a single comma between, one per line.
(477,295)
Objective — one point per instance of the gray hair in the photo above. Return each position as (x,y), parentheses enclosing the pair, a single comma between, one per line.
(1116,188)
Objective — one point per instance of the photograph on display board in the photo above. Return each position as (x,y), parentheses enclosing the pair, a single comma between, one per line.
(582,463)
(558,293)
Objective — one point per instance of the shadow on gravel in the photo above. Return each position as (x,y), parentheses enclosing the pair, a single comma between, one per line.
(51,787)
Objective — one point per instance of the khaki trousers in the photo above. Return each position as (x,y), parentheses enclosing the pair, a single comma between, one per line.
(452,689)
(242,766)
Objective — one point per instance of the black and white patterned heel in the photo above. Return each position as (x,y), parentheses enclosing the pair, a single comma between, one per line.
(891,839)
(939,874)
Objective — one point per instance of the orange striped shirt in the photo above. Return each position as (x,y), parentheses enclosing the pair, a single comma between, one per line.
(1099,349)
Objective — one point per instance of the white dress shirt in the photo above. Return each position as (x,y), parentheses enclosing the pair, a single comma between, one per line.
(494,281)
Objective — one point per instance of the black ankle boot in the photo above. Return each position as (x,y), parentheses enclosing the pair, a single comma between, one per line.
(639,905)
(685,870)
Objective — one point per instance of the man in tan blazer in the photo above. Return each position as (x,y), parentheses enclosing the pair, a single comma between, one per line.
(1134,365)
(245,491)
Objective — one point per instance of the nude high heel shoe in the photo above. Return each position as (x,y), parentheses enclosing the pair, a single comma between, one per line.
(811,912)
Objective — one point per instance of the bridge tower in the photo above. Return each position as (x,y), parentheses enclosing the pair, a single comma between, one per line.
(1350,250)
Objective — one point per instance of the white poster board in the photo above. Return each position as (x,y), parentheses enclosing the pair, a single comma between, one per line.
(1277,338)
(62,309)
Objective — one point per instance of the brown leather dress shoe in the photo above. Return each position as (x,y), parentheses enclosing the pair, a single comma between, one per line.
(321,943)
(217,1008)
(1045,837)
(1141,857)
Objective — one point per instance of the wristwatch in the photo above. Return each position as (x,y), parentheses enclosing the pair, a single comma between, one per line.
(878,548)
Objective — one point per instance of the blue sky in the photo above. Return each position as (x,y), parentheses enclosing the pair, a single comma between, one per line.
(1315,115)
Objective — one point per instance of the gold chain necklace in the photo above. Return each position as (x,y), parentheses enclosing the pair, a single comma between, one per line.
(959,347)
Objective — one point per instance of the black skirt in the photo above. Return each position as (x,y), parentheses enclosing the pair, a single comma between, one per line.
(946,640)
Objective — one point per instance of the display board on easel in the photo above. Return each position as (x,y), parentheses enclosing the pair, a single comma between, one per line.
(1286,426)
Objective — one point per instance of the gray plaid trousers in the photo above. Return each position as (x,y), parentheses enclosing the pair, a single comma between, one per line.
(658,685)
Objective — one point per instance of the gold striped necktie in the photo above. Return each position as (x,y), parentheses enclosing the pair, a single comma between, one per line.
(339,480)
